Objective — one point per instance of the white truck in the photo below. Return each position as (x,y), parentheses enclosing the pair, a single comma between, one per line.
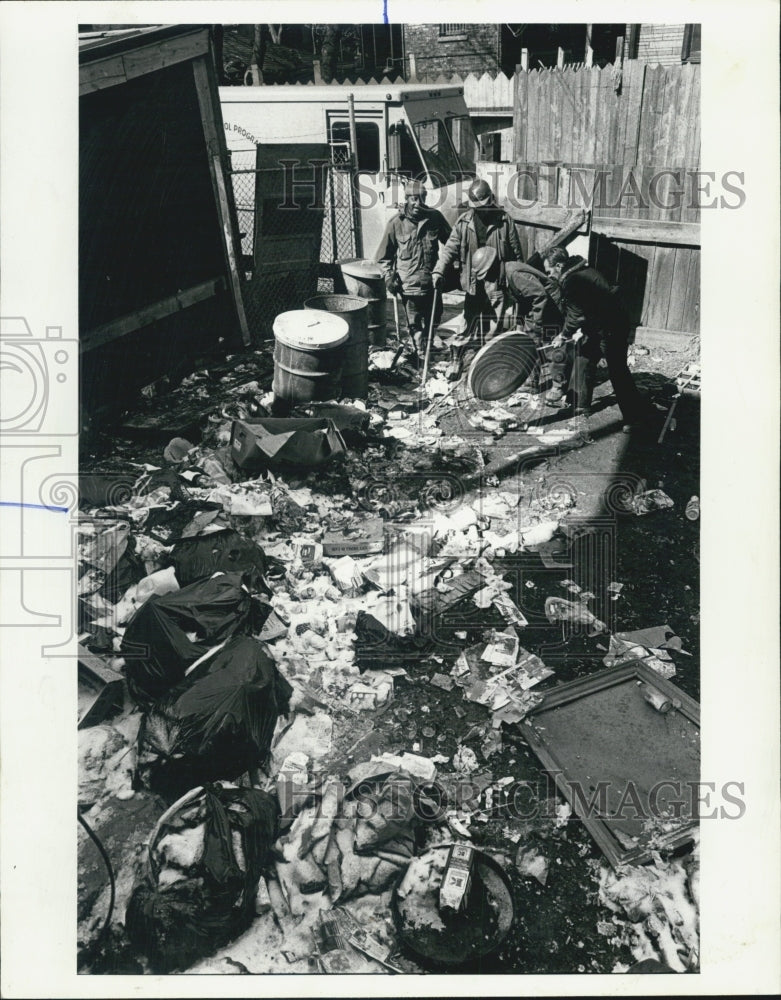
(386,132)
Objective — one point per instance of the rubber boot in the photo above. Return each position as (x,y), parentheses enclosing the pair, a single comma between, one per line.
(456,365)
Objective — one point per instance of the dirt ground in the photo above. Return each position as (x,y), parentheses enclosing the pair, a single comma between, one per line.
(562,925)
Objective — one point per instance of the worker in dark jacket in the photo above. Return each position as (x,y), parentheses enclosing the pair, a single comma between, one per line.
(483,224)
(539,313)
(597,328)
(407,254)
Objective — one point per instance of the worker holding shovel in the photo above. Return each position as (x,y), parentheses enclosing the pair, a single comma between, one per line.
(407,255)
(483,240)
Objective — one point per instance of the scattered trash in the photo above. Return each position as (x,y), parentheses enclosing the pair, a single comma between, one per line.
(432,933)
(557,609)
(300,593)
(645,503)
(623,650)
(530,862)
(205,859)
(692,510)
(278,441)
(465,760)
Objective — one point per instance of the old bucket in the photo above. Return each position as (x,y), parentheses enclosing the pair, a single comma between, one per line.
(308,356)
(364,278)
(355,312)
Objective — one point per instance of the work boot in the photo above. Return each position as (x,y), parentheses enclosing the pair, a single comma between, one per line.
(556,396)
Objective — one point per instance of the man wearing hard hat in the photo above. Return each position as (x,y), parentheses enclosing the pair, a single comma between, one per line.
(407,254)
(483,239)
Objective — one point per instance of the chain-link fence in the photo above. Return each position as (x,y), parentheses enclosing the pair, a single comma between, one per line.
(290,249)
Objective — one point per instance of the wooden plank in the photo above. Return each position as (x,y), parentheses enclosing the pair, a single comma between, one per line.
(681,267)
(533,104)
(692,155)
(149,58)
(556,99)
(691,309)
(520,116)
(629,230)
(568,115)
(607,97)
(623,100)
(633,117)
(117,328)
(649,287)
(215,144)
(97,76)
(687,109)
(597,113)
(662,282)
(544,151)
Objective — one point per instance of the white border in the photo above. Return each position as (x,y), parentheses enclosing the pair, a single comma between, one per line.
(740,335)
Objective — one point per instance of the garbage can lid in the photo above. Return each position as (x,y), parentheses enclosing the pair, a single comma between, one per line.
(502,366)
(310,329)
(358,268)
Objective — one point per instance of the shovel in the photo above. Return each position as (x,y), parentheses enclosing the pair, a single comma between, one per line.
(430,337)
(400,348)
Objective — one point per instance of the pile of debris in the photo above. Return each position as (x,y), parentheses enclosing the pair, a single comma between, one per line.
(258,600)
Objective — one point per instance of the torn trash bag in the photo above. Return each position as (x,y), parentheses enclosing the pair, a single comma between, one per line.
(220,551)
(172,631)
(200,895)
(217,723)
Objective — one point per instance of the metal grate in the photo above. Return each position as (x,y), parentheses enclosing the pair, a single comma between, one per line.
(451,29)
(334,238)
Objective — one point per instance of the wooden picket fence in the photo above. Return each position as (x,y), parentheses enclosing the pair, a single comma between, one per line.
(629,114)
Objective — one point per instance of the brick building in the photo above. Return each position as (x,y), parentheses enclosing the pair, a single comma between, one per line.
(663,44)
(431,50)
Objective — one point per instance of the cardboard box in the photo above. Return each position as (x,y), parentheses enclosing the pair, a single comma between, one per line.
(457,878)
(367,537)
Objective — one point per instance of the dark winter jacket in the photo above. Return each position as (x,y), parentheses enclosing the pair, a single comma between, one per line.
(409,249)
(590,303)
(500,234)
(538,299)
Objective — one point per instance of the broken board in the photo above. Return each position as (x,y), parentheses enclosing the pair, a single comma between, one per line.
(629,771)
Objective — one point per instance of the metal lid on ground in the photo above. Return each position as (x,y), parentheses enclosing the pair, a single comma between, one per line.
(310,329)
(502,366)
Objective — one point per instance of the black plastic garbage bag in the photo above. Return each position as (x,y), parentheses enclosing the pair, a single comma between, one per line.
(226,551)
(156,646)
(178,923)
(129,570)
(214,725)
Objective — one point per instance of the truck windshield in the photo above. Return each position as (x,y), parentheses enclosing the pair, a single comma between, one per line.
(463,138)
(447,148)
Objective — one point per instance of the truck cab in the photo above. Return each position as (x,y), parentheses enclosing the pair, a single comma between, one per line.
(383,134)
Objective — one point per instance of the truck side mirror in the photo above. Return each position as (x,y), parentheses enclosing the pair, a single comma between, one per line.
(394,148)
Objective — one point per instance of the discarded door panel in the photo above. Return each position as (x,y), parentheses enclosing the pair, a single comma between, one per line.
(629,771)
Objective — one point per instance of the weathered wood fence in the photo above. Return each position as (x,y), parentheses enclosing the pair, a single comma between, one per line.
(630,113)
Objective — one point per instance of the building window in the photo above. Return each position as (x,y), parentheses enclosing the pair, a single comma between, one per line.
(690,51)
(449,30)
